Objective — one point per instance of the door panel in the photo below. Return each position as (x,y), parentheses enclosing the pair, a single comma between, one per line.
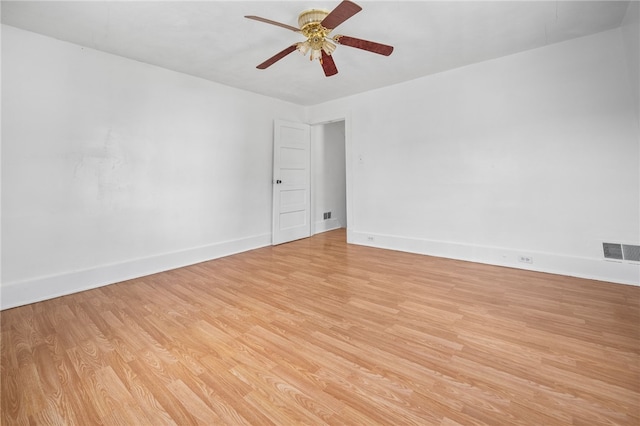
(291,182)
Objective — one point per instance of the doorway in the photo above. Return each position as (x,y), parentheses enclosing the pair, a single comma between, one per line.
(328,177)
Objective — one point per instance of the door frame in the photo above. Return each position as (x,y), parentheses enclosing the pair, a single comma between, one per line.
(349,162)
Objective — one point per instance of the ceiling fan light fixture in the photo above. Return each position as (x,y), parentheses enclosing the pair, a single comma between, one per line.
(328,47)
(315,54)
(304,47)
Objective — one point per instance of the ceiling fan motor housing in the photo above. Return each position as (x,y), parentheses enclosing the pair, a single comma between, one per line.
(311,16)
(310,25)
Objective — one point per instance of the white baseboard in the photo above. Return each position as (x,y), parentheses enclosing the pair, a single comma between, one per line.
(590,268)
(42,288)
(327,225)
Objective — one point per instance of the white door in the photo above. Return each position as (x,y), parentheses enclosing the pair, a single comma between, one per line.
(291,182)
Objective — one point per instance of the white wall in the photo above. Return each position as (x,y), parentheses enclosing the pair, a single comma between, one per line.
(329,176)
(631,36)
(533,154)
(113,169)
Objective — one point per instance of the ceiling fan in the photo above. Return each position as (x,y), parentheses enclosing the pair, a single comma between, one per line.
(315,25)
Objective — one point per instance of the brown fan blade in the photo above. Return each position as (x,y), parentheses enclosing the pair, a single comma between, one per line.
(269,21)
(328,65)
(341,13)
(275,58)
(371,46)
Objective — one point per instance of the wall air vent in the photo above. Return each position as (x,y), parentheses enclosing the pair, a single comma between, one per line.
(612,251)
(621,252)
(630,252)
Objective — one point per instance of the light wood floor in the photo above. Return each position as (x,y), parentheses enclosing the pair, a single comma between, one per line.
(317,331)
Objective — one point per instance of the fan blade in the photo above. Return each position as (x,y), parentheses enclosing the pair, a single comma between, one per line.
(341,13)
(275,58)
(328,65)
(269,21)
(371,46)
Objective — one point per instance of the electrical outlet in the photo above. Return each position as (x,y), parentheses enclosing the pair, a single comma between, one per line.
(525,259)
(371,238)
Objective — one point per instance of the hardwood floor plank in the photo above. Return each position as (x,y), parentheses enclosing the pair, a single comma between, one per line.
(164,396)
(145,400)
(14,400)
(198,409)
(321,332)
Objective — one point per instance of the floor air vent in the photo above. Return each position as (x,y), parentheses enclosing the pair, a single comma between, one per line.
(621,251)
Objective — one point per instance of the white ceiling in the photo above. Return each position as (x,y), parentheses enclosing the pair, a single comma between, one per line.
(213,40)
